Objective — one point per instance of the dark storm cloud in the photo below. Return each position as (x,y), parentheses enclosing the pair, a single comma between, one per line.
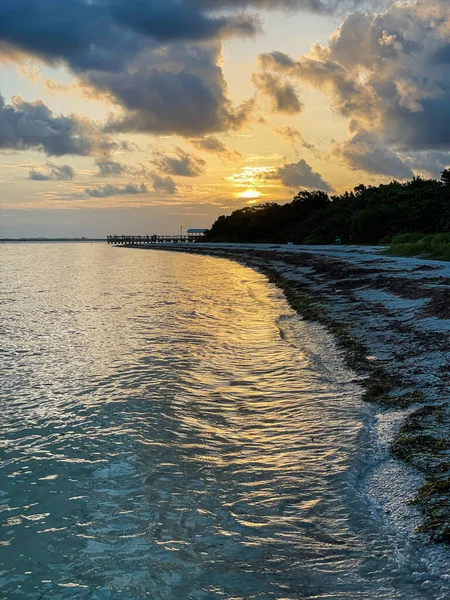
(26,125)
(53,173)
(180,163)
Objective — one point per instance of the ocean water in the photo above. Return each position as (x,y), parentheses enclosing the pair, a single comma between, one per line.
(170,429)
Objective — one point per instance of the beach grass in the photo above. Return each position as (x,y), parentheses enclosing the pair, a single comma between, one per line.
(434,246)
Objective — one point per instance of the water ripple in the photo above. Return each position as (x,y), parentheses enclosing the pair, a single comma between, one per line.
(170,429)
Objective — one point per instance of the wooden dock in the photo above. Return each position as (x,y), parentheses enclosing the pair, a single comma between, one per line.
(144,240)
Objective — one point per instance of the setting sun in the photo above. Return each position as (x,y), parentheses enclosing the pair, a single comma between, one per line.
(249,194)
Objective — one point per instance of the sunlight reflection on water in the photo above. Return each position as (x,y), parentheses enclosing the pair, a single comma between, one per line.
(170,429)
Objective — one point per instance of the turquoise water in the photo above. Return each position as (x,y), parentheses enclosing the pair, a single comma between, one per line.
(170,429)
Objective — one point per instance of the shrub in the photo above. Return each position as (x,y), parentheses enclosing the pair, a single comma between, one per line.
(407,238)
(386,241)
(435,246)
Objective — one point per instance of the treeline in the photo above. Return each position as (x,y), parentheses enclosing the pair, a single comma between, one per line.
(366,215)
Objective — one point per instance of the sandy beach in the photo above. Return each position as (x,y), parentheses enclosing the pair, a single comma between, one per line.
(391,319)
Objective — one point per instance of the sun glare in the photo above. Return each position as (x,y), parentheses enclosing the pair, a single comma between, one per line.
(249,194)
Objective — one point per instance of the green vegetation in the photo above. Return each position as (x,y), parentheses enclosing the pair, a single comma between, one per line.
(417,244)
(366,215)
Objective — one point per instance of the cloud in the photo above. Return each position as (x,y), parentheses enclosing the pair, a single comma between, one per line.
(54,173)
(105,191)
(25,125)
(300,174)
(173,21)
(107,35)
(282,94)
(165,185)
(38,176)
(389,74)
(180,163)
(181,90)
(293,136)
(348,96)
(428,162)
(111,168)
(215,146)
(159,62)
(364,152)
(250,176)
(291,175)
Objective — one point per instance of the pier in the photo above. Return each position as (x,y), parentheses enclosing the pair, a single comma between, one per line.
(141,240)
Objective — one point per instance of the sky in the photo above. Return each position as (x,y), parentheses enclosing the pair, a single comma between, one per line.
(144,116)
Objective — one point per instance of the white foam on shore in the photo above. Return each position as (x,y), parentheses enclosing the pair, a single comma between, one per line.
(390,483)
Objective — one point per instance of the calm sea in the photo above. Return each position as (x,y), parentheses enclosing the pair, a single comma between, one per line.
(170,429)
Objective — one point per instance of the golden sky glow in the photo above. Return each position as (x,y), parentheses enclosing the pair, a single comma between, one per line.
(148,137)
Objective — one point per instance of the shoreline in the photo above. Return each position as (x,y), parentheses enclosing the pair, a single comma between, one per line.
(391,319)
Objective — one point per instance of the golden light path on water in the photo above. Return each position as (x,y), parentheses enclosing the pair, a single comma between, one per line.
(171,429)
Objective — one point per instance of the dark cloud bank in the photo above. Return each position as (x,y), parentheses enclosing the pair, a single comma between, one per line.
(158,60)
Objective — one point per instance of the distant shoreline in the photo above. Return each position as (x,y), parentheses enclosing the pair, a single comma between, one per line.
(391,318)
(18,240)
